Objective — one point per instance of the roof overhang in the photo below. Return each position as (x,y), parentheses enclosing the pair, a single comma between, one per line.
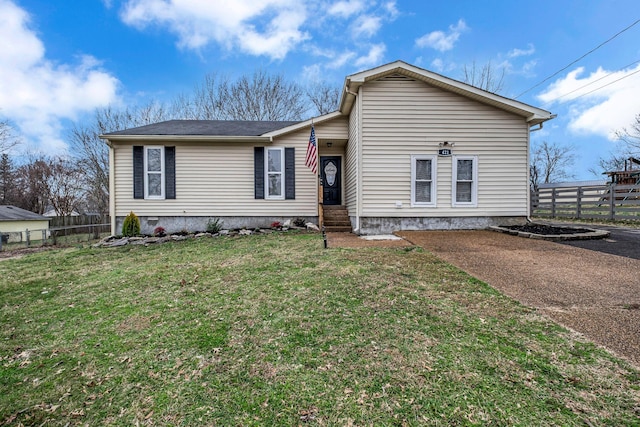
(187,138)
(533,115)
(304,124)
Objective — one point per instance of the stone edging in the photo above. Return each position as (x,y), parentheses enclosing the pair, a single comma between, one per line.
(115,241)
(591,235)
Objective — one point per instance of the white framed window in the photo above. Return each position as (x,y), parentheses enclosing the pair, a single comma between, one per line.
(423,180)
(274,171)
(154,179)
(465,181)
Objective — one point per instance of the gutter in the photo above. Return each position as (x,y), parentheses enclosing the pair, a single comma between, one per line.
(187,138)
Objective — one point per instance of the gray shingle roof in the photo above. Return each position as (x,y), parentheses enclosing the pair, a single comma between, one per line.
(12,213)
(206,127)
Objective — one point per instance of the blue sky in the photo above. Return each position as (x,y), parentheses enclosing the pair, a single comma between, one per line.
(63,59)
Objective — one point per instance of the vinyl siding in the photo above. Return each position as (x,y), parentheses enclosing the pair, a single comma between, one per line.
(401,117)
(217,179)
(336,129)
(18,226)
(351,162)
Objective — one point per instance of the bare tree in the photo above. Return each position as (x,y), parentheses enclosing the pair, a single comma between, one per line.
(8,188)
(64,182)
(631,136)
(550,163)
(7,138)
(324,97)
(257,97)
(485,77)
(615,162)
(32,179)
(92,154)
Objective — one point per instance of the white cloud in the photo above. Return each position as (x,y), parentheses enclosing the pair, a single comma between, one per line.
(36,93)
(366,26)
(437,65)
(514,53)
(374,57)
(345,9)
(341,59)
(390,8)
(609,102)
(258,27)
(439,40)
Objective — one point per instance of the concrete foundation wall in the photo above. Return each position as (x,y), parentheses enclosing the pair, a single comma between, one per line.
(386,225)
(174,224)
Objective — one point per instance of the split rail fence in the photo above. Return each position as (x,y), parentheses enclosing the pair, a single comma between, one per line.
(611,202)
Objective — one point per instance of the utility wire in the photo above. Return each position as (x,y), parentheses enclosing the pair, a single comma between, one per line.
(590,83)
(583,56)
(601,87)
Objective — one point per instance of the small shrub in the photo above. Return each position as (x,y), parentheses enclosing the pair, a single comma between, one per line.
(276,224)
(159,232)
(214,225)
(131,225)
(299,222)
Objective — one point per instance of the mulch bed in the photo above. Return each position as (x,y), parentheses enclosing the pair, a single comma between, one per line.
(546,230)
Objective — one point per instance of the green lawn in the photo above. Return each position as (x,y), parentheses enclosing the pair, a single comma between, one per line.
(275,330)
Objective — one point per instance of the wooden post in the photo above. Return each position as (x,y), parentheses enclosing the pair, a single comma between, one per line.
(612,200)
(28,235)
(553,202)
(320,205)
(579,207)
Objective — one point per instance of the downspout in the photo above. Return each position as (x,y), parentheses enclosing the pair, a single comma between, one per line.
(112,188)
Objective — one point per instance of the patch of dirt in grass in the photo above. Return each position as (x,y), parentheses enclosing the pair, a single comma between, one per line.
(19,253)
(134,323)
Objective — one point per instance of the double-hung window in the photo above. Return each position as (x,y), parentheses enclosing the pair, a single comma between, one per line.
(154,179)
(274,165)
(465,181)
(423,180)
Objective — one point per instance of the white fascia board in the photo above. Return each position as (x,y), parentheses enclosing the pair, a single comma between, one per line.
(186,138)
(304,124)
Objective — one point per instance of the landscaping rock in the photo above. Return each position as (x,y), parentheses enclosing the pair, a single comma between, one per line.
(245,232)
(312,226)
(119,242)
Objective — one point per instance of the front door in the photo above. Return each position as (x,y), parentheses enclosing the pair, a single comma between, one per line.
(331,169)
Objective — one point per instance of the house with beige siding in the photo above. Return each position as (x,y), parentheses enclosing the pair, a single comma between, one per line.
(20,225)
(408,149)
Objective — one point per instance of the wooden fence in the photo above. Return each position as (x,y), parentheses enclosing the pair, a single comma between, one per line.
(614,202)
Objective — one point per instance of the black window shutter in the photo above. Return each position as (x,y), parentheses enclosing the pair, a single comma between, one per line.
(170,172)
(258,172)
(138,172)
(290,173)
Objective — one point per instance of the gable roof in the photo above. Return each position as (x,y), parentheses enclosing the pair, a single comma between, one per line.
(12,213)
(353,82)
(197,129)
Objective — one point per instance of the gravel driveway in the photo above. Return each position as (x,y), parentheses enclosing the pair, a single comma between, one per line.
(594,293)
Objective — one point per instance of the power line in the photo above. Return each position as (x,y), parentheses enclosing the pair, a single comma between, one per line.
(583,56)
(590,83)
(608,84)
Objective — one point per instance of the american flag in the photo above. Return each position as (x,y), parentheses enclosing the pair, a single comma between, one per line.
(312,152)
